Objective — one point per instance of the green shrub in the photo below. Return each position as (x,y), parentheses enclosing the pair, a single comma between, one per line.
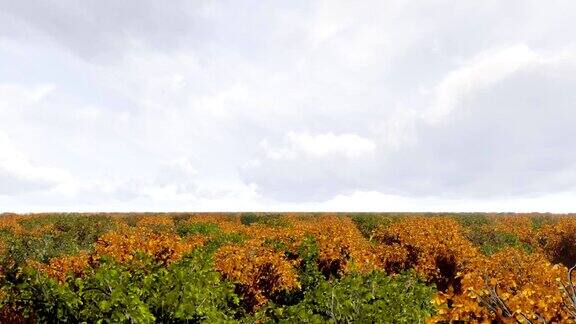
(71,234)
(34,296)
(197,228)
(84,230)
(473,220)
(490,242)
(367,223)
(114,294)
(273,220)
(20,249)
(540,220)
(108,295)
(216,241)
(190,290)
(309,274)
(308,271)
(371,298)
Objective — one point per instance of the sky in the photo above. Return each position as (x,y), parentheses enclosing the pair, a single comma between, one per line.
(435,105)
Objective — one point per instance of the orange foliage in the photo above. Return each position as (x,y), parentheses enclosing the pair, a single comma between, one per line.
(123,244)
(227,223)
(340,243)
(525,282)
(11,223)
(341,246)
(558,241)
(59,268)
(519,225)
(258,271)
(152,221)
(434,247)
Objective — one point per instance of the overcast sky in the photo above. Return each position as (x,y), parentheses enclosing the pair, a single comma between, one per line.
(288,105)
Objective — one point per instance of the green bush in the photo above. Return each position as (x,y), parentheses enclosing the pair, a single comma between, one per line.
(188,290)
(309,275)
(473,220)
(34,296)
(540,220)
(490,242)
(370,298)
(71,234)
(20,249)
(108,295)
(308,271)
(219,239)
(112,293)
(367,223)
(489,249)
(197,228)
(273,220)
(84,230)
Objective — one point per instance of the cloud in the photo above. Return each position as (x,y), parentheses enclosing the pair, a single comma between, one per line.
(308,167)
(327,145)
(504,133)
(481,72)
(96,29)
(501,124)
(374,201)
(17,95)
(18,175)
(215,103)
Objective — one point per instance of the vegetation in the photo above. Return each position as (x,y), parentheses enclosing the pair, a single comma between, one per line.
(263,267)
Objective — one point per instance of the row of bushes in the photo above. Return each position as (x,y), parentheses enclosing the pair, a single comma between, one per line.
(300,268)
(191,290)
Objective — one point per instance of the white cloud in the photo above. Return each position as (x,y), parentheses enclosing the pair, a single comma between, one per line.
(328,145)
(17,95)
(374,201)
(18,175)
(481,72)
(325,145)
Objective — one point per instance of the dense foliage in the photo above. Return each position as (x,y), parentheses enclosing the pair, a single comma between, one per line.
(264,267)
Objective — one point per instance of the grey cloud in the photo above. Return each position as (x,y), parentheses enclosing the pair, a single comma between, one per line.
(13,184)
(307,180)
(104,30)
(100,28)
(513,137)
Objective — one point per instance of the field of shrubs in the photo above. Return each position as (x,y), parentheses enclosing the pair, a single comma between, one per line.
(265,267)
